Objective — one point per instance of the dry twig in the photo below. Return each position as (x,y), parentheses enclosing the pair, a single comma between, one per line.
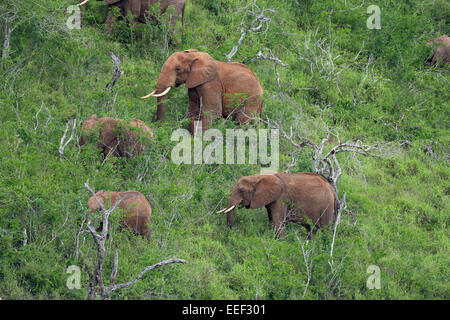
(259,23)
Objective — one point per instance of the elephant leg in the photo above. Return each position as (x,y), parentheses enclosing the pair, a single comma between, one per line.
(174,20)
(135,10)
(146,234)
(194,108)
(110,20)
(243,109)
(251,111)
(209,105)
(269,214)
(278,212)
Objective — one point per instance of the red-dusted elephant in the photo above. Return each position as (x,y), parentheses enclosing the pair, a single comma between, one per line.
(136,209)
(216,89)
(117,137)
(287,197)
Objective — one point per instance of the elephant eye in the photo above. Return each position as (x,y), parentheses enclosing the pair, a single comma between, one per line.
(177,69)
(241,190)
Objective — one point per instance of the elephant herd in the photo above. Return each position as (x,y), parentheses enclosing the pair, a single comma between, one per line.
(216,89)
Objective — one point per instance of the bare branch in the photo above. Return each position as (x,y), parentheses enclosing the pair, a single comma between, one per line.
(143,272)
(271,57)
(6,27)
(260,23)
(63,143)
(117,72)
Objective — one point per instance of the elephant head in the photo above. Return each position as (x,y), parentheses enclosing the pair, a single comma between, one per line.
(253,192)
(89,126)
(191,67)
(107,134)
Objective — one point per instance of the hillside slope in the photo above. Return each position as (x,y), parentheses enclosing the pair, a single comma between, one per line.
(339,75)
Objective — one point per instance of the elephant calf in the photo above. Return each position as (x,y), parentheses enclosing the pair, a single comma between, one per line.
(137,211)
(442,51)
(117,137)
(287,197)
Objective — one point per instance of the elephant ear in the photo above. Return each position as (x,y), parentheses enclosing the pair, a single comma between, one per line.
(112,1)
(203,69)
(267,190)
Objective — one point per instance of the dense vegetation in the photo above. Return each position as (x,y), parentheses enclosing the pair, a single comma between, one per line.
(367,84)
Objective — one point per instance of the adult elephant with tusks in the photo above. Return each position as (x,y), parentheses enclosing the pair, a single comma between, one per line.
(288,197)
(215,88)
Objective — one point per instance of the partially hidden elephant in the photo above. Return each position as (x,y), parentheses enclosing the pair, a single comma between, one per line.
(288,197)
(118,137)
(136,210)
(139,8)
(215,88)
(441,52)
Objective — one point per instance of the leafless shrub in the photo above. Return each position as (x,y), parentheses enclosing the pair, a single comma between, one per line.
(117,72)
(116,75)
(307,251)
(259,23)
(319,54)
(325,164)
(96,275)
(271,57)
(63,143)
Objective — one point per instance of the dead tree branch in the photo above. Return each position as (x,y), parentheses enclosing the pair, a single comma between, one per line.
(259,24)
(308,259)
(326,165)
(6,27)
(116,75)
(271,57)
(63,143)
(117,72)
(96,276)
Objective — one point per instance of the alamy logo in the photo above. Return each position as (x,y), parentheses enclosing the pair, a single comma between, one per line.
(73,281)
(374,281)
(235,143)
(374,21)
(74,21)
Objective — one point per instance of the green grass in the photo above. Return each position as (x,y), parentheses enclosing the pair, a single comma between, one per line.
(399,204)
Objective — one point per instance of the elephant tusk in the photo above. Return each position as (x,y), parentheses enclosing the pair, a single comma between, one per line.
(80,4)
(230,208)
(226,210)
(149,95)
(162,93)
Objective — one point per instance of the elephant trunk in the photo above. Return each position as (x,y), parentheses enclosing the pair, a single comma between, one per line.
(166,81)
(235,199)
(161,107)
